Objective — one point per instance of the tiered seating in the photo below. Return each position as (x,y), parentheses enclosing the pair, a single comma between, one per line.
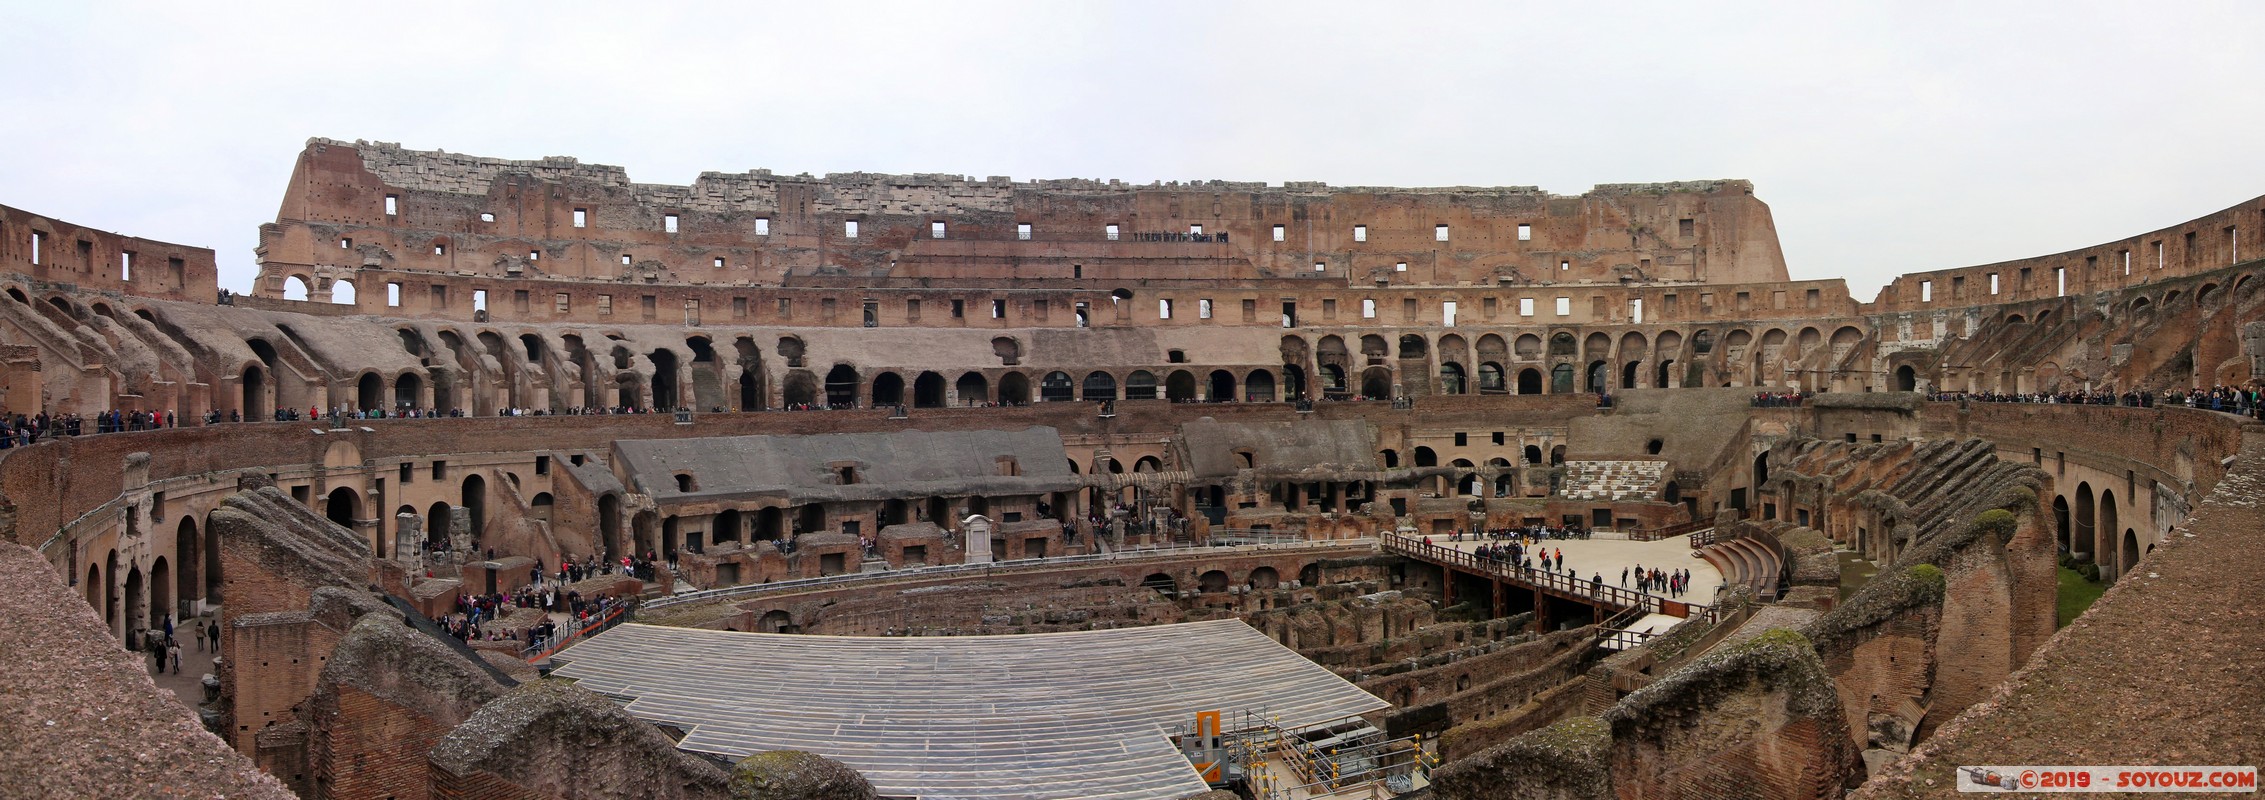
(1745,561)
(1606,481)
(1056,715)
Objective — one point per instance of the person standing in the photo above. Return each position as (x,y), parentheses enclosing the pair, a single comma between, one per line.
(212,631)
(200,637)
(173,653)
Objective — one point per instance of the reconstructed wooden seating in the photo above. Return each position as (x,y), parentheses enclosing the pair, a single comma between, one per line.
(1055,715)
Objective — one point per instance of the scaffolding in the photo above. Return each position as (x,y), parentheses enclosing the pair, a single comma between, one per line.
(1349,758)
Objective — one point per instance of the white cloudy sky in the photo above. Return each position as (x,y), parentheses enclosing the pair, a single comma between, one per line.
(1887,139)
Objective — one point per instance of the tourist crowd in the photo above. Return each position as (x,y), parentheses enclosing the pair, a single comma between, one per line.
(2248,401)
(1780,399)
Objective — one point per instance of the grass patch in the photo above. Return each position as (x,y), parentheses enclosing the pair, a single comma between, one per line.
(2076,594)
(1854,572)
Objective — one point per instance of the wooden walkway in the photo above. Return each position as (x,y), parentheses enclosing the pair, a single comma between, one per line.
(1082,714)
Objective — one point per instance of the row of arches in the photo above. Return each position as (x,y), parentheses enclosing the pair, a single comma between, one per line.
(2091,526)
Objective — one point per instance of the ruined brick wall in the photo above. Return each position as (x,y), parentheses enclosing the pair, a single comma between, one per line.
(375,205)
(95,260)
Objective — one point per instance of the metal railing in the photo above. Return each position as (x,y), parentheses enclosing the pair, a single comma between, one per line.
(617,616)
(1591,591)
(1669,531)
(996,567)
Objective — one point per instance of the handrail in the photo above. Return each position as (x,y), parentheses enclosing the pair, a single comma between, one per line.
(1597,592)
(1677,529)
(603,623)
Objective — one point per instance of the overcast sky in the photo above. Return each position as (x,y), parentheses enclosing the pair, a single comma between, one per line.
(1886,140)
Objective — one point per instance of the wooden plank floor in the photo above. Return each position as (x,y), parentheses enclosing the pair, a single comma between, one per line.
(1081,714)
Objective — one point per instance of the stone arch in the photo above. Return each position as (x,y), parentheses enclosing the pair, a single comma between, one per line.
(344,508)
(1099,385)
(973,389)
(1376,383)
(1451,378)
(2086,520)
(1140,385)
(1906,379)
(1056,386)
(888,389)
(1219,386)
(1413,346)
(841,386)
(1426,457)
(2061,522)
(1212,581)
(609,524)
(1014,389)
(369,392)
(189,561)
(476,501)
(1258,387)
(928,390)
(1528,347)
(1529,381)
(1265,578)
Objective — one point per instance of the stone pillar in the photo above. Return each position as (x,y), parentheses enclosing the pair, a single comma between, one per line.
(978,539)
(408,538)
(460,532)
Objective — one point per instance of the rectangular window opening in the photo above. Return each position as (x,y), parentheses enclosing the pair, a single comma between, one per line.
(1279,233)
(1400,266)
(1525,306)
(998,309)
(719,262)
(562,303)
(393,205)
(1203,308)
(1687,226)
(1926,291)
(581,218)
(1110,231)
(605,305)
(668,223)
(1368,308)
(959,309)
(479,299)
(1565,306)
(936,229)
(1525,232)
(762,226)
(849,229)
(1360,233)
(1993,283)
(393,294)
(1439,233)
(1022,231)
(1163,309)
(126,265)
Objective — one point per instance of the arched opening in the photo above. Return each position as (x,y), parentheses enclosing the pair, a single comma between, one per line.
(369,392)
(1761,470)
(609,525)
(1413,346)
(775,622)
(1561,379)
(191,561)
(408,391)
(810,518)
(728,527)
(1014,389)
(255,394)
(841,386)
(1259,387)
(161,592)
(476,504)
(1557,455)
(1056,387)
(1102,386)
(344,507)
(1628,373)
(670,545)
(1906,379)
(750,391)
(1141,385)
(1533,454)
(664,379)
(342,292)
(294,288)
(1598,377)
(2127,561)
(1665,378)
(644,530)
(1426,457)
(1160,582)
(800,389)
(1491,379)
(1391,459)
(1451,378)
(1179,387)
(137,600)
(1376,384)
(770,524)
(1221,387)
(1212,582)
(2080,544)
(973,389)
(1529,381)
(2108,523)
(1265,578)
(2061,522)
(928,391)
(888,389)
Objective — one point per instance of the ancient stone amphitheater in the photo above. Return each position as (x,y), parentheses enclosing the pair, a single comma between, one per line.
(858,413)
